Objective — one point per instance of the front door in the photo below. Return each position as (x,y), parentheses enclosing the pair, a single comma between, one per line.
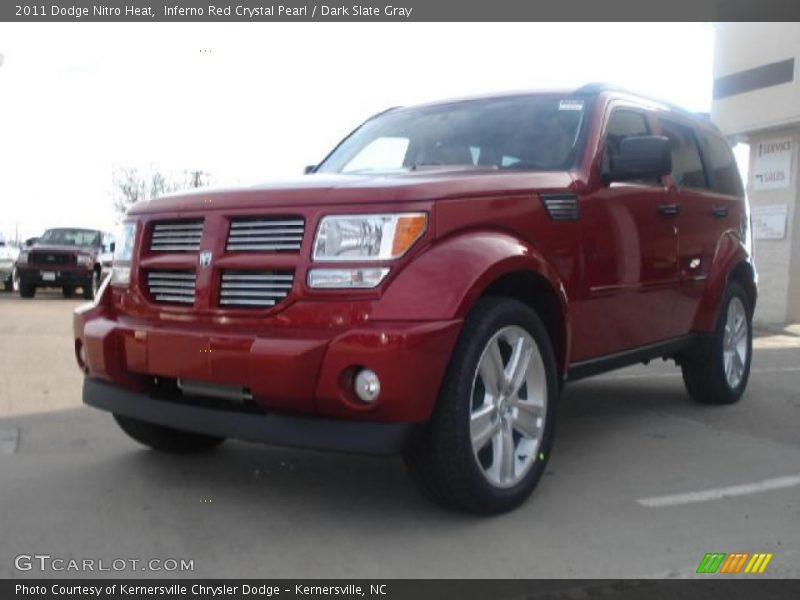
(629,249)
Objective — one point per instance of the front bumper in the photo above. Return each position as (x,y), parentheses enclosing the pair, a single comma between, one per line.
(301,370)
(270,428)
(60,276)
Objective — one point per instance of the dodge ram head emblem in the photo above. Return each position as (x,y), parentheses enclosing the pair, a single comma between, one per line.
(205,259)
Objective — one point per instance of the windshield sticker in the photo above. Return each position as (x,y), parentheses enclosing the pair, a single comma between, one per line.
(570,105)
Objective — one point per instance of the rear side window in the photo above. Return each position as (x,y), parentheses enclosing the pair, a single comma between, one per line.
(722,165)
(687,166)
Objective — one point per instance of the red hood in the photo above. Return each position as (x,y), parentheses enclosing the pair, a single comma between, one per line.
(330,189)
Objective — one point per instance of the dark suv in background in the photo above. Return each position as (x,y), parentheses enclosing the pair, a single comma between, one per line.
(68,258)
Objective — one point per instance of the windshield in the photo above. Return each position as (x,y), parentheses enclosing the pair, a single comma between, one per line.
(71,237)
(539,133)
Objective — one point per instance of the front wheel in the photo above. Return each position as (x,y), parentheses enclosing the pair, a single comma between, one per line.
(489,439)
(166,439)
(26,290)
(719,373)
(90,288)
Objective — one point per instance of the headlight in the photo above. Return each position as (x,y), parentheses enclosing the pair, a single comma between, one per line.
(367,237)
(123,253)
(22,259)
(85,260)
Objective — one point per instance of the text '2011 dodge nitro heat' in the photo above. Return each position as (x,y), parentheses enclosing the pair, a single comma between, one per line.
(430,286)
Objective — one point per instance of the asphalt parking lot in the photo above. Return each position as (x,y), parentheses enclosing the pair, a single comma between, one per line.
(632,488)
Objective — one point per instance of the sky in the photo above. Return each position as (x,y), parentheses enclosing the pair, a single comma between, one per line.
(251,102)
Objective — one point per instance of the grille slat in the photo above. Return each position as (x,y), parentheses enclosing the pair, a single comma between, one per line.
(255,288)
(177,236)
(257,234)
(51,259)
(171,287)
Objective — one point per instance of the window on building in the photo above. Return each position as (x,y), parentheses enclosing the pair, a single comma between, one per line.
(687,166)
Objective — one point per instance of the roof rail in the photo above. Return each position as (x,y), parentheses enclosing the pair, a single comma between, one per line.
(598,87)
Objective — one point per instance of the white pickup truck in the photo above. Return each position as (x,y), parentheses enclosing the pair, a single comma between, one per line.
(8,256)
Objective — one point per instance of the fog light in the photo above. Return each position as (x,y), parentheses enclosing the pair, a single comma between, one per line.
(367,386)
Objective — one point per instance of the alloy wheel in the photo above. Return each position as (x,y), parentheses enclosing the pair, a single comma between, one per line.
(509,405)
(735,342)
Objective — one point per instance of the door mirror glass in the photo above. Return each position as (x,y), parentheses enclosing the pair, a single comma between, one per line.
(641,157)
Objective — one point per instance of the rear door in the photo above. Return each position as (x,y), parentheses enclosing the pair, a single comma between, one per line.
(706,186)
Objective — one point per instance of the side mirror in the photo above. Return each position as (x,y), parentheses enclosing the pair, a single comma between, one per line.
(112,247)
(30,242)
(641,157)
(309,169)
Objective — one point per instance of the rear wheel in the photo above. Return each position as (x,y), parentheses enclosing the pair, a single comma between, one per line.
(719,373)
(8,284)
(167,439)
(15,280)
(490,436)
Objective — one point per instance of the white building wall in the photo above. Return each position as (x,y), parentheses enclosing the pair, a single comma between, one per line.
(764,114)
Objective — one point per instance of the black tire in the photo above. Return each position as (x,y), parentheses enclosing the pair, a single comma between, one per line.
(166,439)
(26,290)
(67,291)
(442,461)
(704,368)
(90,288)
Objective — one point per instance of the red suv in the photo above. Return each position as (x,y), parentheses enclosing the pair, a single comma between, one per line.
(430,286)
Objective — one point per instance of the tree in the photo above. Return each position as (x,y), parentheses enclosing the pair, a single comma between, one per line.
(131,186)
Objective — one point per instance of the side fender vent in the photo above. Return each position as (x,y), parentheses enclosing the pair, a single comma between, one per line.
(561,207)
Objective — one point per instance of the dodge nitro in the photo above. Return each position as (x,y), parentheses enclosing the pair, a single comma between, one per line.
(430,286)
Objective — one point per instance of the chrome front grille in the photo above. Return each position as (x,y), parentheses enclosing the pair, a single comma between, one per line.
(171,287)
(254,288)
(177,236)
(265,234)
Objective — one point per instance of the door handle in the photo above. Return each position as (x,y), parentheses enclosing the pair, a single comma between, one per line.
(719,212)
(669,209)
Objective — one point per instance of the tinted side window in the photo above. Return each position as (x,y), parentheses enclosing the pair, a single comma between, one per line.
(725,175)
(687,166)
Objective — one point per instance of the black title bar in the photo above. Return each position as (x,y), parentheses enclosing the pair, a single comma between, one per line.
(400,10)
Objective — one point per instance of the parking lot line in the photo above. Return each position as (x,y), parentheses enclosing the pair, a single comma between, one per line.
(766,485)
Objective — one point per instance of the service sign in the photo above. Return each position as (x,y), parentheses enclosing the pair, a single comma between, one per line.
(772,164)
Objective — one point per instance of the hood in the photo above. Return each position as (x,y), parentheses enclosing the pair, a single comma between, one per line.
(329,189)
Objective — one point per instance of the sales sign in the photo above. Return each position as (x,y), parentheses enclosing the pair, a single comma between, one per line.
(772,165)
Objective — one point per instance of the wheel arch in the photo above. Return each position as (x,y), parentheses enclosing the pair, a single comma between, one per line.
(535,291)
(732,262)
(448,279)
